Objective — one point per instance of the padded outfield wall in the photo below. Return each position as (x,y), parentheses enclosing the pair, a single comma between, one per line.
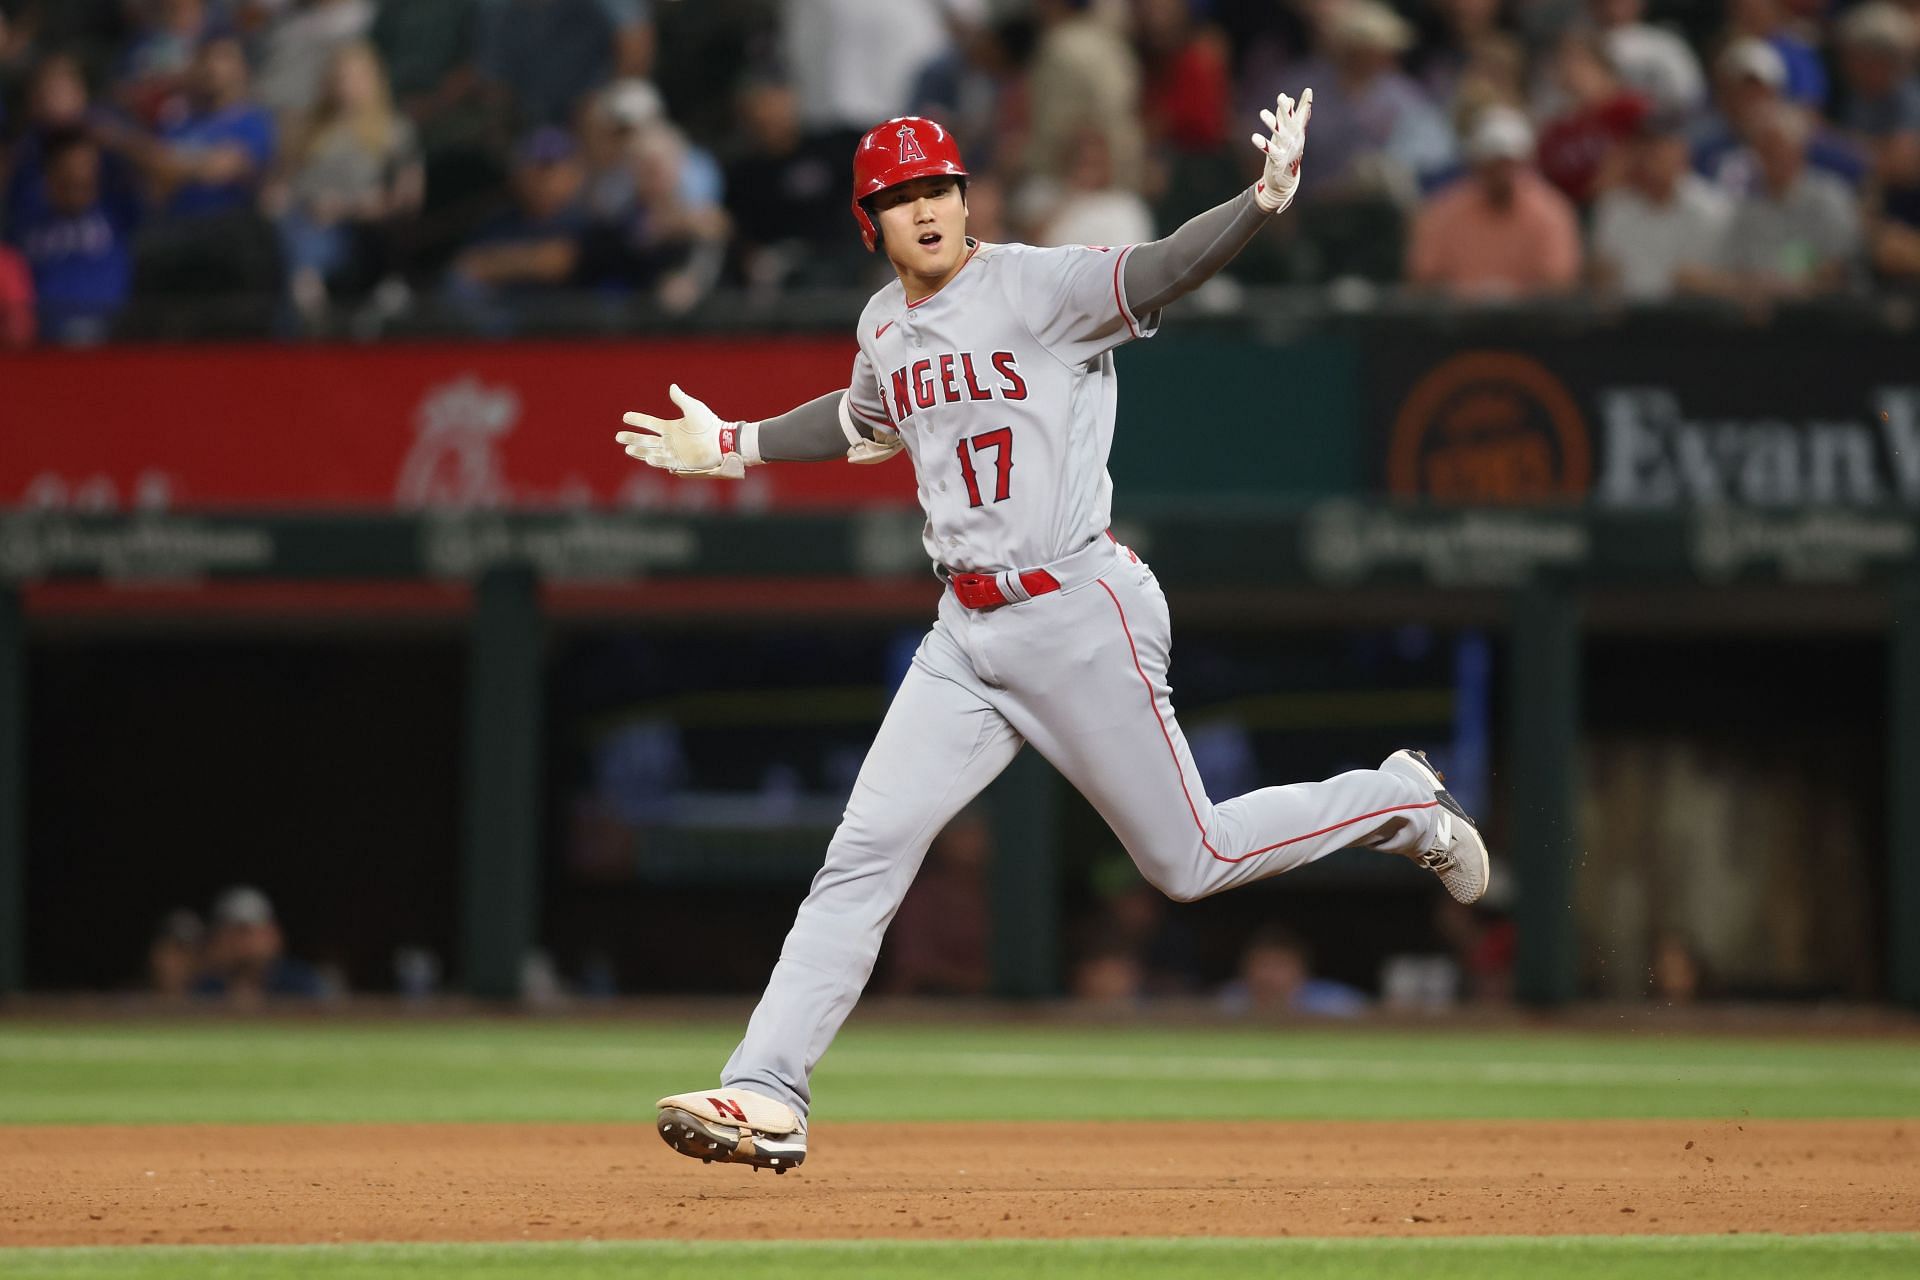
(1691,604)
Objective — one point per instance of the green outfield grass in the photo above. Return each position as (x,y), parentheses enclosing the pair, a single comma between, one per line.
(1854,1257)
(511,1070)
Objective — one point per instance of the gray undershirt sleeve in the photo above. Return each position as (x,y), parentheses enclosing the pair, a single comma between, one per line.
(810,433)
(1172,267)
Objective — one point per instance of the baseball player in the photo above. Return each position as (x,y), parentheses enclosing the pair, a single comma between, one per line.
(992,367)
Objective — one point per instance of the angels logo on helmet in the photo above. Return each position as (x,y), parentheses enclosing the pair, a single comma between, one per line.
(902,149)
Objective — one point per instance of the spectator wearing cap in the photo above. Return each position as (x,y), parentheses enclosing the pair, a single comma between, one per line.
(1877,44)
(610,125)
(1578,147)
(545,55)
(615,122)
(652,200)
(1750,78)
(535,245)
(246,960)
(665,244)
(1798,234)
(1654,60)
(1772,22)
(1374,129)
(1662,225)
(77,239)
(1502,232)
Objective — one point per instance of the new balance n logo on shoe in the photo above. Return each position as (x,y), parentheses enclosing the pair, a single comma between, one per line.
(726,1108)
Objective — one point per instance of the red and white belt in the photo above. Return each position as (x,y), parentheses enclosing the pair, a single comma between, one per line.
(991,590)
(1017,586)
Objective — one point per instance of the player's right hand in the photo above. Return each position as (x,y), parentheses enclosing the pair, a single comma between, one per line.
(687,446)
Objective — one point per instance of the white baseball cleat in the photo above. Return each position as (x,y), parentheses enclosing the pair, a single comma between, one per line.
(1457,855)
(733,1126)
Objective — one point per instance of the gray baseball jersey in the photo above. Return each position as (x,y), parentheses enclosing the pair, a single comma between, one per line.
(1002,387)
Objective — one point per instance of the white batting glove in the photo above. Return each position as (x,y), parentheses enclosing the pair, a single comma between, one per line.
(698,444)
(1285,143)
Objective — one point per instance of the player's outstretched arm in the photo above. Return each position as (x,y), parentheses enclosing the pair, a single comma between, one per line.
(700,444)
(1160,271)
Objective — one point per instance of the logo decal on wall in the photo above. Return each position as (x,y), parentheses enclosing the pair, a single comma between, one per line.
(454,461)
(1489,426)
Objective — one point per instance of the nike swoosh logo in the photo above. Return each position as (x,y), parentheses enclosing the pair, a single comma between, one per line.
(877,333)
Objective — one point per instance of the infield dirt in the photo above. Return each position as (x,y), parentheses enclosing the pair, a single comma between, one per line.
(243,1183)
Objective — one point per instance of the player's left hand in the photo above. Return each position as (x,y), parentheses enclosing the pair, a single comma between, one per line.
(698,444)
(1283,145)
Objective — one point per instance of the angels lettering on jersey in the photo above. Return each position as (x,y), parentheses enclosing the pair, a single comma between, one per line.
(953,377)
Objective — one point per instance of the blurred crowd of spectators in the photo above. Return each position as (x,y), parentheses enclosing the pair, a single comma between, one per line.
(332,158)
(237,955)
(1132,949)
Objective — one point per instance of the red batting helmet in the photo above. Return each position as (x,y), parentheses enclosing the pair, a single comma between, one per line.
(902,149)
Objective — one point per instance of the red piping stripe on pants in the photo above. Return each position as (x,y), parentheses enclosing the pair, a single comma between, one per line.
(1154,706)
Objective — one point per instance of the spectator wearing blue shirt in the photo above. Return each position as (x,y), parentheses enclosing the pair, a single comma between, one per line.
(1750,79)
(533,247)
(536,243)
(78,243)
(58,102)
(1276,976)
(631,108)
(246,959)
(204,172)
(212,159)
